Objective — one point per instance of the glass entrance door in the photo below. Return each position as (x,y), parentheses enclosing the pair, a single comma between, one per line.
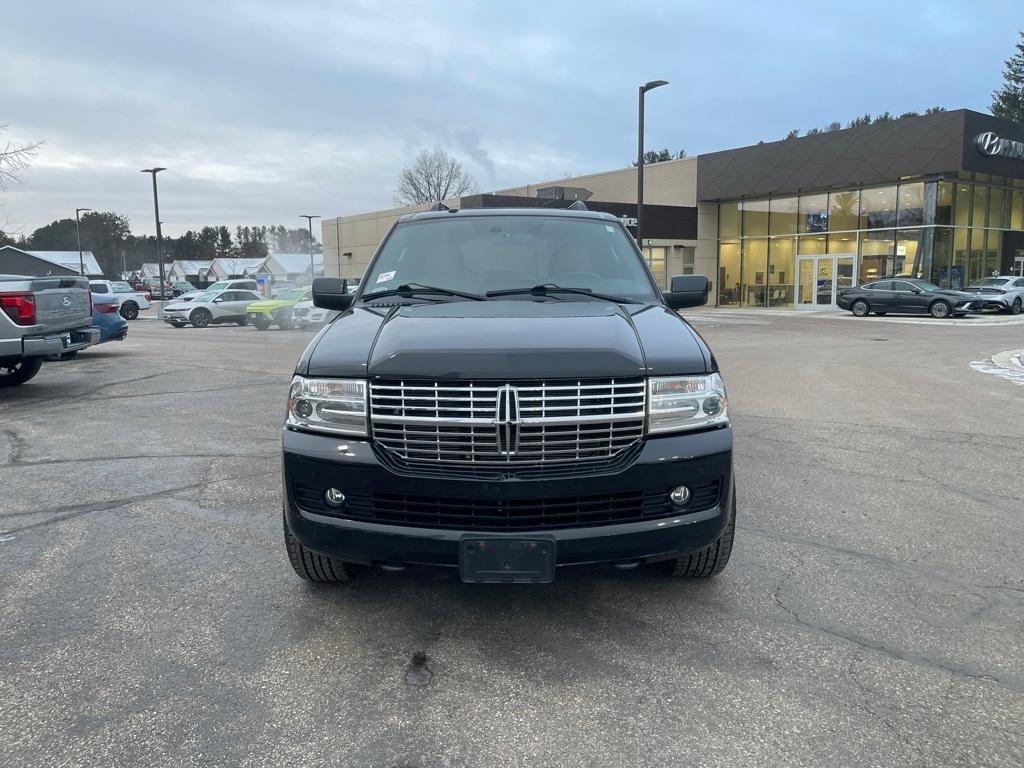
(820,278)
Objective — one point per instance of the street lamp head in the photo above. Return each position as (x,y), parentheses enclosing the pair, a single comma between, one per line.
(650,86)
(154,170)
(81,210)
(308,216)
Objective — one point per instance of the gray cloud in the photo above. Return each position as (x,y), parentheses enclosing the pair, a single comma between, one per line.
(264,110)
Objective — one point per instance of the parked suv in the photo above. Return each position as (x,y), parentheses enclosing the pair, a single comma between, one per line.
(508,394)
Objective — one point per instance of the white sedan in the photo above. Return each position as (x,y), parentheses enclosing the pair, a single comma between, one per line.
(1005,293)
(211,307)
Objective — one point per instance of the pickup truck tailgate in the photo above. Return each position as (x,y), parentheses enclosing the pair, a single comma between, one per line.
(61,303)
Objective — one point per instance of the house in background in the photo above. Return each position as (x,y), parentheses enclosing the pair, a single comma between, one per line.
(231,268)
(15,261)
(195,272)
(293,267)
(150,270)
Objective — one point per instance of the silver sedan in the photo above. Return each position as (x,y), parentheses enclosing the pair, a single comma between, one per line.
(226,306)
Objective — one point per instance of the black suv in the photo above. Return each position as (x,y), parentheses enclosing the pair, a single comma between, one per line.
(508,393)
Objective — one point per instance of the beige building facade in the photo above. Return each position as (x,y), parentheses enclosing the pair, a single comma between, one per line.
(350,241)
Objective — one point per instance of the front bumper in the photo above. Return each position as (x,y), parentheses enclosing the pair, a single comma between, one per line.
(665,462)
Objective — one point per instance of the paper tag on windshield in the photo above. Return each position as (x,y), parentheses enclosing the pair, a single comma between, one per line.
(383,277)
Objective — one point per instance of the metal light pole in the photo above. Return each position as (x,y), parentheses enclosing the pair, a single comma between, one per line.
(159,245)
(640,160)
(78,234)
(309,218)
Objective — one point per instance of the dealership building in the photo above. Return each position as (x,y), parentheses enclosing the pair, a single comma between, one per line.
(789,223)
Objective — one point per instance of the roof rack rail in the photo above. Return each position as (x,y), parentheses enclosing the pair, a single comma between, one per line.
(439,206)
(579,205)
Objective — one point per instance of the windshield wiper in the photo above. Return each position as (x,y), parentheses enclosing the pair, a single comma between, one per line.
(410,289)
(545,288)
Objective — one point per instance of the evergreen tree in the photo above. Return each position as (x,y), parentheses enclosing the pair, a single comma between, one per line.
(1008,101)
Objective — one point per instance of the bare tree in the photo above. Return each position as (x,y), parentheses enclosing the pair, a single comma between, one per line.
(434,176)
(14,158)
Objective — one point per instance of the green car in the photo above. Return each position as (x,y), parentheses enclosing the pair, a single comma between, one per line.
(276,311)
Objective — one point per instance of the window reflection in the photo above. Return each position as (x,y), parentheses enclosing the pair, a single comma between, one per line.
(810,244)
(911,204)
(980,207)
(843,208)
(908,253)
(996,216)
(876,254)
(941,253)
(755,218)
(729,272)
(878,208)
(755,266)
(783,216)
(728,220)
(780,271)
(943,203)
(813,213)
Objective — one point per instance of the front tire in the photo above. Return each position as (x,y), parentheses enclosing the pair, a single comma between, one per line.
(310,566)
(940,310)
(129,310)
(709,561)
(200,318)
(13,374)
(860,308)
(260,323)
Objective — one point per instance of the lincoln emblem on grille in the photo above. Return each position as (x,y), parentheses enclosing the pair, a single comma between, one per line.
(506,420)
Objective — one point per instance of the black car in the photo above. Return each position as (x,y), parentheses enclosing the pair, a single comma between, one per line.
(508,394)
(906,295)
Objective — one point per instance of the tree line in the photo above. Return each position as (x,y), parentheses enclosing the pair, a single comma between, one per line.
(108,235)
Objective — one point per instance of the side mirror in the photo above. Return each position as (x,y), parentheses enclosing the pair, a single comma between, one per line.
(218,300)
(331,293)
(687,291)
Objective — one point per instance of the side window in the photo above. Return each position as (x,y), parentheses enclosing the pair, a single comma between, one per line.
(881,285)
(96,288)
(901,287)
(1019,283)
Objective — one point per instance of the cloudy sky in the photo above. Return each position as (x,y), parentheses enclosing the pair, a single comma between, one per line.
(265,110)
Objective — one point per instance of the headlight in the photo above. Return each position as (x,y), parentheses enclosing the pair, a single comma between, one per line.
(337,406)
(680,403)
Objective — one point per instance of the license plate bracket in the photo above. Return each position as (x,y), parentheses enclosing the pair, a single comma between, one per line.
(495,560)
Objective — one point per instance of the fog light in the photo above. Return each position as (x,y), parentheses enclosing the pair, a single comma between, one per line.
(304,408)
(713,405)
(335,498)
(680,495)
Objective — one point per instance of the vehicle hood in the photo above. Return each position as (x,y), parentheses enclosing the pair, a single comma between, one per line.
(508,340)
(184,305)
(267,305)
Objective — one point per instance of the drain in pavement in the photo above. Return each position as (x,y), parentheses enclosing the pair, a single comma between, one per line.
(419,673)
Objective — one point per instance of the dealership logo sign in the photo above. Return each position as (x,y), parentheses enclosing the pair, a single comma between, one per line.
(990,144)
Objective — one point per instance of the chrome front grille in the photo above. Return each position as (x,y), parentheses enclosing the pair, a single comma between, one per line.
(510,424)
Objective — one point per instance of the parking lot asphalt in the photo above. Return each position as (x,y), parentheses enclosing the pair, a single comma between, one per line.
(871,616)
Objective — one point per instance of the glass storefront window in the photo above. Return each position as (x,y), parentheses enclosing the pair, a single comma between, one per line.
(910,212)
(729,272)
(996,214)
(980,207)
(962,209)
(813,213)
(958,264)
(754,272)
(656,260)
(780,271)
(941,256)
(1017,210)
(811,244)
(908,253)
(843,209)
(755,218)
(976,254)
(878,208)
(877,249)
(782,218)
(728,220)
(843,243)
(943,203)
(993,249)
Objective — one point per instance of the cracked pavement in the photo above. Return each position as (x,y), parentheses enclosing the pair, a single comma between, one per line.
(872,615)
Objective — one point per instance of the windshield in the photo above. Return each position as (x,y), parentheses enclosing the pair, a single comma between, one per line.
(293,295)
(924,285)
(207,296)
(218,286)
(988,282)
(478,254)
